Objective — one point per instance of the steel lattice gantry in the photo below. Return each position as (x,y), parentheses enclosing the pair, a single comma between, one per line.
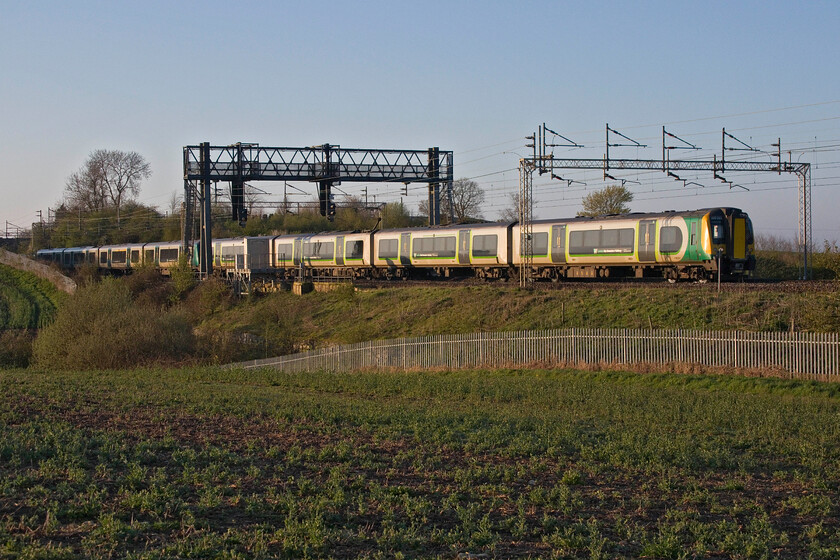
(545,164)
(326,165)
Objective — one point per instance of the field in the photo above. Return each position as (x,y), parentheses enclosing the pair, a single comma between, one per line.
(559,464)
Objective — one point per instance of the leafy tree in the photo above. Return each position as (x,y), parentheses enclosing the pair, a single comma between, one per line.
(612,199)
(77,227)
(467,199)
(107,179)
(395,215)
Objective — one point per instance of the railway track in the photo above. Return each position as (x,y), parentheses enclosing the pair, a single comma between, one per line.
(792,287)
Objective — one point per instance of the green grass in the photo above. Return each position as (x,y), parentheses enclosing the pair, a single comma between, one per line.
(282,322)
(26,301)
(556,464)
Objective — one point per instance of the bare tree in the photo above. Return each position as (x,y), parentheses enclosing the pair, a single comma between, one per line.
(467,198)
(108,179)
(511,213)
(84,190)
(609,200)
(175,203)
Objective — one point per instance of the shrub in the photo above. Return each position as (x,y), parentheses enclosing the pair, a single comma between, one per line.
(15,348)
(183,278)
(827,264)
(102,327)
(149,287)
(209,297)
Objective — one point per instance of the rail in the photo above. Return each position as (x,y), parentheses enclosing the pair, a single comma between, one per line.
(814,356)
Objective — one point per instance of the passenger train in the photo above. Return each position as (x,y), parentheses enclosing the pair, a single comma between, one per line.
(693,245)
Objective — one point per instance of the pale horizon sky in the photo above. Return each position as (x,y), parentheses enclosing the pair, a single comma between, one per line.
(471,77)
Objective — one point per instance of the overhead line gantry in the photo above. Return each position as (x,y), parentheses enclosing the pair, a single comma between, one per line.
(544,162)
(327,165)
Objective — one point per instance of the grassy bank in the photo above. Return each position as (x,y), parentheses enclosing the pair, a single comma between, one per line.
(26,301)
(205,463)
(281,322)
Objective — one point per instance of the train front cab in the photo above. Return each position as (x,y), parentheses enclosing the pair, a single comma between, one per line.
(731,240)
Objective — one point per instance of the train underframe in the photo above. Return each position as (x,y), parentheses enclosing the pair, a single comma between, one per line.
(693,272)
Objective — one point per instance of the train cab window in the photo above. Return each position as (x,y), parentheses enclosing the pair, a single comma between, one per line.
(354,249)
(718,235)
(150,256)
(135,256)
(284,252)
(168,255)
(103,257)
(670,239)
(485,245)
(389,248)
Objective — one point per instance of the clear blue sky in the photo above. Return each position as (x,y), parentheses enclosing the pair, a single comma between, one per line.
(472,77)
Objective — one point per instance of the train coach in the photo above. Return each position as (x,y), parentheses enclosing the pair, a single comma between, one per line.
(693,245)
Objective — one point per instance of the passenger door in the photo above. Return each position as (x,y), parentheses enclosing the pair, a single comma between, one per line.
(647,240)
(298,251)
(464,246)
(405,249)
(339,250)
(558,244)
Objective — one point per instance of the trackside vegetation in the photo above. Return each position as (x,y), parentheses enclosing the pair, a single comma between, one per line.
(26,301)
(26,304)
(145,320)
(205,463)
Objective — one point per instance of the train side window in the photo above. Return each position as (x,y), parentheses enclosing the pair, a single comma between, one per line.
(168,255)
(584,242)
(541,244)
(118,257)
(444,247)
(670,239)
(103,257)
(318,250)
(485,245)
(150,256)
(389,248)
(693,233)
(354,249)
(434,247)
(284,252)
(135,256)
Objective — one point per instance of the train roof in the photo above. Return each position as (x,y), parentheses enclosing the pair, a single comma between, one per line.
(450,227)
(642,215)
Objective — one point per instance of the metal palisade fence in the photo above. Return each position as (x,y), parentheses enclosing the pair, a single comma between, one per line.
(802,355)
